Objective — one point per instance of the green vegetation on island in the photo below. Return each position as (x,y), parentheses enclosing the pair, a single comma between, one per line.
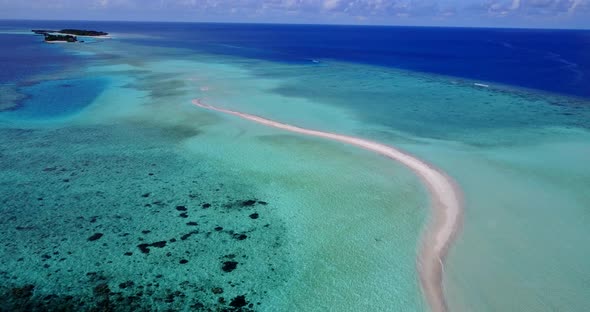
(66,38)
(77,32)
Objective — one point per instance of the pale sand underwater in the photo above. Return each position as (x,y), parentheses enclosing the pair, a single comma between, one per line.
(446,202)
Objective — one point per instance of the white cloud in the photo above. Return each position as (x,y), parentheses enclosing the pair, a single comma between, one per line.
(330,4)
(369,11)
(576,4)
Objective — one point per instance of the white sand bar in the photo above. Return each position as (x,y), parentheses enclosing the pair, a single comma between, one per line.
(446,201)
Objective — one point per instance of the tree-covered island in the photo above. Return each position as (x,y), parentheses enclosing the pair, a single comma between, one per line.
(67,35)
(66,38)
(78,32)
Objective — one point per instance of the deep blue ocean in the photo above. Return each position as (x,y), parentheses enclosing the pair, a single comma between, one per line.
(22,56)
(555,61)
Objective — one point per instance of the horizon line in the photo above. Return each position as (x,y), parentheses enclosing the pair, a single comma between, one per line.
(286,23)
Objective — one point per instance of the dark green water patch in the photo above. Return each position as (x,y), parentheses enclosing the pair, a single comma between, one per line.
(160,85)
(10,98)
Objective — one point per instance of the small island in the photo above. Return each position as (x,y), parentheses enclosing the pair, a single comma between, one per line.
(60,38)
(88,33)
(67,35)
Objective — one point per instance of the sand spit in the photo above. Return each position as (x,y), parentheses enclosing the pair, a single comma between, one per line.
(446,201)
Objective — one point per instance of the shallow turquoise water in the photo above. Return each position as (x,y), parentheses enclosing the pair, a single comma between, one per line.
(339,227)
(124,164)
(521,159)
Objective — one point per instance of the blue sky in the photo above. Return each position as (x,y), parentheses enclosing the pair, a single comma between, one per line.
(488,13)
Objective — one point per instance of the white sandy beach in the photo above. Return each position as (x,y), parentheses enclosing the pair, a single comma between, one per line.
(446,197)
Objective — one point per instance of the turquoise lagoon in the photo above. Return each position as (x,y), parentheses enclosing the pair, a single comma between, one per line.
(118,192)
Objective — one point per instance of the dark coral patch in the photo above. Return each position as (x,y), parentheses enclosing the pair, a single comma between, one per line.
(229,266)
(183,261)
(23,292)
(254,216)
(181,208)
(102,290)
(192,223)
(95,236)
(145,248)
(206,205)
(25,228)
(238,302)
(126,284)
(248,203)
(189,234)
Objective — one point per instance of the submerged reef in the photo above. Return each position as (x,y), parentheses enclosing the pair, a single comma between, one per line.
(91,223)
(10,98)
